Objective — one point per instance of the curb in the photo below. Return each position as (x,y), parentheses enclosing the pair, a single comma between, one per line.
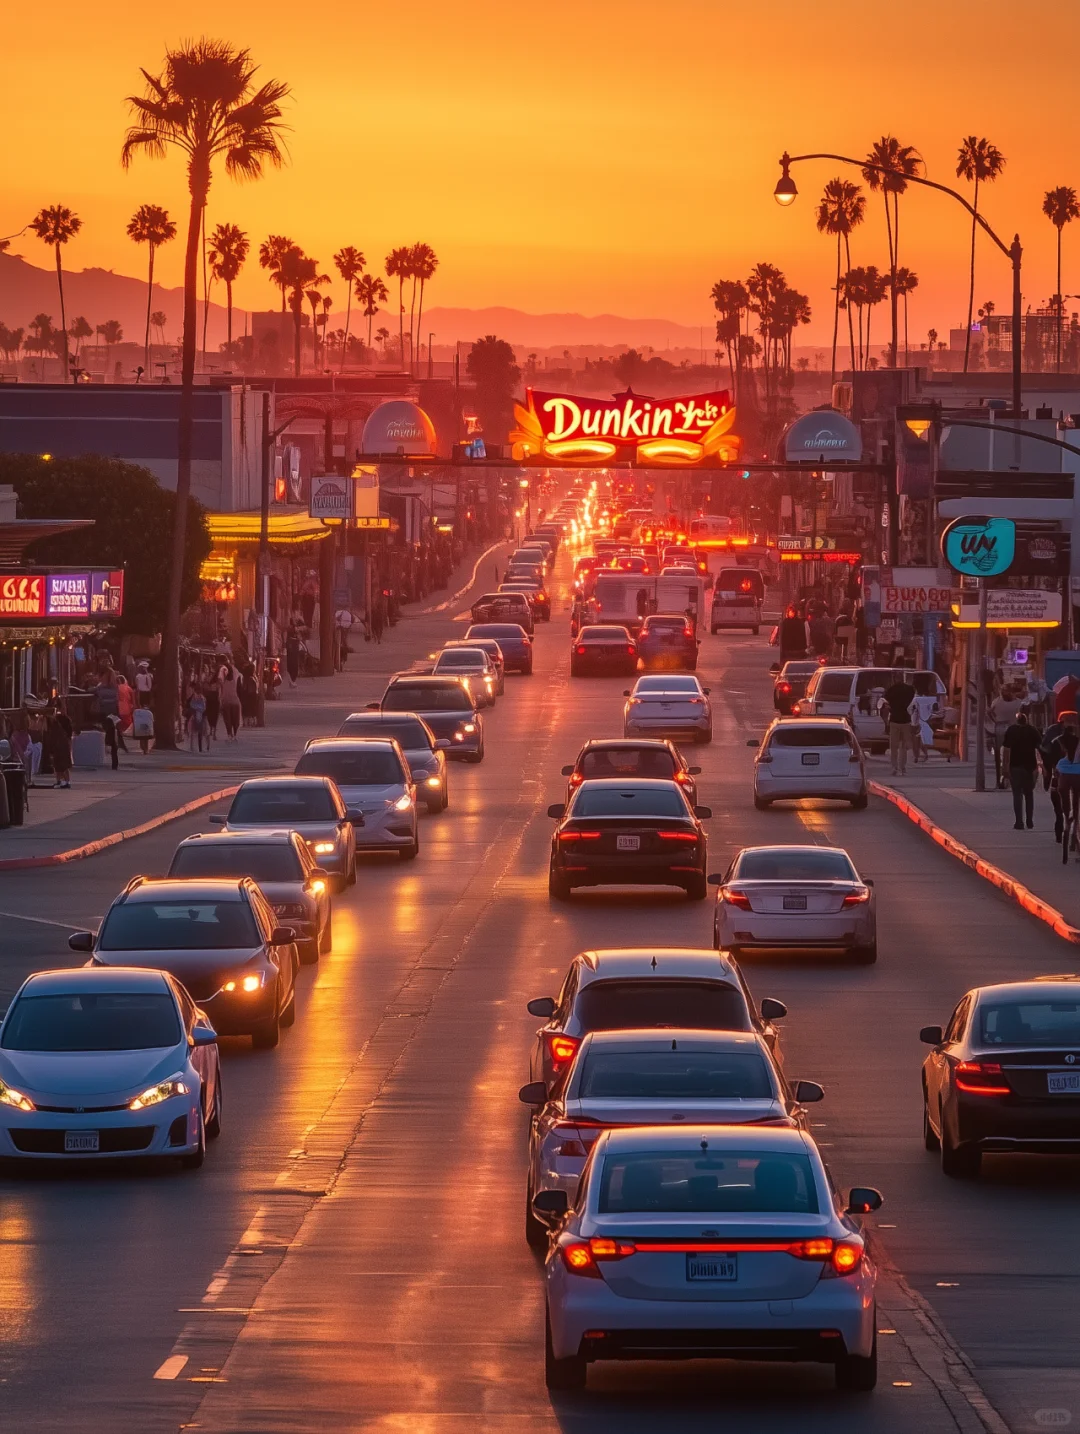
(77,853)
(1012,888)
(449,602)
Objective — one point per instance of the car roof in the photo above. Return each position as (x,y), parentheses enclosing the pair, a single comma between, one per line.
(672,1038)
(461,647)
(656,744)
(775,1140)
(510,629)
(1042,988)
(459,642)
(351,744)
(261,836)
(421,679)
(634,784)
(379,719)
(822,721)
(595,627)
(186,888)
(107,979)
(794,848)
(285,782)
(660,962)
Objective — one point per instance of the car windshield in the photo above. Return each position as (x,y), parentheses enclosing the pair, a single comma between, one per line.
(810,864)
(408,734)
(461,657)
(805,734)
(375,767)
(619,1005)
(674,1075)
(669,683)
(613,801)
(628,762)
(1031,1023)
(282,806)
(279,862)
(688,1182)
(665,624)
(604,634)
(93,1021)
(411,697)
(179,926)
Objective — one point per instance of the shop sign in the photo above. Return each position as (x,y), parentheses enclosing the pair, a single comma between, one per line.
(67,595)
(369,523)
(666,432)
(1011,607)
(63,597)
(107,593)
(823,436)
(22,596)
(980,547)
(820,544)
(331,497)
(916,590)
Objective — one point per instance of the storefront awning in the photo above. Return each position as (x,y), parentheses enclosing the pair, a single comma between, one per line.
(294,526)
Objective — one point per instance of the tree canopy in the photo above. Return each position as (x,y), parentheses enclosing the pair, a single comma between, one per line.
(492,366)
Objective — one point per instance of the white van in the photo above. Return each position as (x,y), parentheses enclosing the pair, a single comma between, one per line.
(679,589)
(734,610)
(856,693)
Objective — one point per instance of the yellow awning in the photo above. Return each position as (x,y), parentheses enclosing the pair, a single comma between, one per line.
(284,528)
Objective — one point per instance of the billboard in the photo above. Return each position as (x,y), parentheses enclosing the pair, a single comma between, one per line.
(665,432)
(61,596)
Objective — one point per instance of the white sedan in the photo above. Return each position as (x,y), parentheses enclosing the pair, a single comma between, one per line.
(803,897)
(809,757)
(107,1062)
(709,1242)
(668,704)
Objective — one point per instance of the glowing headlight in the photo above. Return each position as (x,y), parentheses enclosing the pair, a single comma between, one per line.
(403,803)
(459,735)
(246,983)
(434,781)
(469,727)
(165,1090)
(323,848)
(316,886)
(15,1098)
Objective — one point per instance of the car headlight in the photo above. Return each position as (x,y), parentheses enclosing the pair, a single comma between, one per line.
(323,848)
(9,1096)
(247,984)
(468,727)
(290,908)
(459,735)
(164,1090)
(316,886)
(434,781)
(403,803)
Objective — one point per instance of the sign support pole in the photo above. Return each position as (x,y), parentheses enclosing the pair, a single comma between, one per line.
(980,692)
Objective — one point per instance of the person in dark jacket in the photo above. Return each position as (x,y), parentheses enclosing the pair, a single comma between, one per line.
(57,744)
(793,637)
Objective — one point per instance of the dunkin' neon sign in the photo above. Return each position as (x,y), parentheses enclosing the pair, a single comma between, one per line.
(680,431)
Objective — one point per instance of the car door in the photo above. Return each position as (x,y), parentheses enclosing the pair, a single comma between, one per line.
(283,957)
(938,1081)
(203,1058)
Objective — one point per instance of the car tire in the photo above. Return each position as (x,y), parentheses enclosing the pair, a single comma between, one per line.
(697,888)
(755,631)
(704,738)
(930,1140)
(436,804)
(197,1156)
(865,955)
(350,880)
(959,1162)
(287,1017)
(558,886)
(410,852)
(860,803)
(475,757)
(309,951)
(213,1125)
(858,1372)
(266,1034)
(536,1232)
(326,940)
(566,1374)
(761,804)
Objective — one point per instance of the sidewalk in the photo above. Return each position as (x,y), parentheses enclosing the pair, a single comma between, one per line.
(102,802)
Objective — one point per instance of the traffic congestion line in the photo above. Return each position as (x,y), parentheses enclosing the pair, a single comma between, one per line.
(1012,888)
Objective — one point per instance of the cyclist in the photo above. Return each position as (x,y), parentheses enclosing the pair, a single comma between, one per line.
(1068,780)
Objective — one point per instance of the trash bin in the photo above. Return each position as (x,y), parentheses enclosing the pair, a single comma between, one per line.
(15,782)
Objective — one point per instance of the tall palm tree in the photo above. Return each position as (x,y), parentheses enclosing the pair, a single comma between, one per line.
(54,226)
(204,104)
(150,225)
(979,162)
(297,272)
(731,301)
(350,265)
(424,263)
(271,252)
(398,267)
(906,281)
(889,166)
(228,252)
(314,298)
(372,293)
(1061,207)
(158,319)
(80,329)
(842,206)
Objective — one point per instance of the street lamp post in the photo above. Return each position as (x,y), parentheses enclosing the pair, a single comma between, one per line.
(786,193)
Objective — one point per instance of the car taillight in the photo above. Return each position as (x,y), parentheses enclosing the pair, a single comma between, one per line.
(561,1048)
(678,836)
(981,1078)
(697,701)
(579,836)
(857,898)
(576,779)
(784,688)
(736,898)
(683,777)
(796,710)
(580,649)
(578,1259)
(688,631)
(631,651)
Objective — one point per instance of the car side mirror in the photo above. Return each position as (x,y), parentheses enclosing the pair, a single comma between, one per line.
(626,692)
(694,771)
(557,810)
(442,744)
(81,941)
(862,1200)
(931,1035)
(704,813)
(542,1006)
(772,1009)
(808,1092)
(282,936)
(216,819)
(567,771)
(553,1203)
(355,816)
(753,742)
(868,881)
(203,1036)
(371,706)
(715,879)
(535,1093)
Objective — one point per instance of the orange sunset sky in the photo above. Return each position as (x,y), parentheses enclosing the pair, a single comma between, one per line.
(590,155)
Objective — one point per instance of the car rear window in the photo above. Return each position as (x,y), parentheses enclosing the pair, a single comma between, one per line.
(410,697)
(613,801)
(378,768)
(461,657)
(618,1005)
(805,734)
(628,762)
(93,1021)
(1031,1023)
(668,683)
(282,806)
(799,669)
(277,862)
(408,734)
(686,1182)
(833,687)
(674,1075)
(667,624)
(604,634)
(793,866)
(179,926)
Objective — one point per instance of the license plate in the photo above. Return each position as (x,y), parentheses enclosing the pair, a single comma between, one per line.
(80,1142)
(1063,1082)
(794,903)
(712,1267)
(811,759)
(628,843)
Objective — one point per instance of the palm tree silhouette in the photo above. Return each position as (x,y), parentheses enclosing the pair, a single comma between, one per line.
(204,104)
(841,207)
(297,271)
(381,336)
(906,281)
(158,319)
(314,298)
(889,166)
(350,265)
(44,337)
(150,225)
(371,292)
(271,252)
(1061,207)
(979,162)
(424,263)
(398,267)
(54,226)
(227,252)
(80,329)
(730,300)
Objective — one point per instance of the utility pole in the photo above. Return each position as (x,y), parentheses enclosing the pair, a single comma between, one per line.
(980,692)
(262,576)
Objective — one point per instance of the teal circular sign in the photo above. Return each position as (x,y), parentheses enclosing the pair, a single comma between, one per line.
(980,547)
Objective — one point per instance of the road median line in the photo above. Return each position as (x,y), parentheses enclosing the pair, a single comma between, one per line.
(1014,889)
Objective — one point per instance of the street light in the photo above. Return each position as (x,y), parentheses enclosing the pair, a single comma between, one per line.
(785,194)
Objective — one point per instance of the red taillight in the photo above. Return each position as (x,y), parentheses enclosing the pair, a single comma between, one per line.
(578,1259)
(579,836)
(784,688)
(796,710)
(580,649)
(857,898)
(688,631)
(631,651)
(677,836)
(561,1048)
(847,1256)
(576,779)
(736,898)
(981,1078)
(683,777)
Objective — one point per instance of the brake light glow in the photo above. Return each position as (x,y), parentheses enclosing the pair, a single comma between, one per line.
(784,688)
(561,1048)
(981,1078)
(842,1256)
(736,898)
(580,649)
(677,836)
(579,836)
(683,777)
(857,898)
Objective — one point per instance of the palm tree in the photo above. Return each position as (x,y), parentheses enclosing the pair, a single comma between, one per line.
(54,226)
(931,339)
(297,272)
(80,329)
(314,298)
(381,337)
(841,207)
(204,104)
(228,251)
(371,292)
(350,265)
(730,300)
(271,252)
(111,332)
(44,337)
(424,263)
(150,225)
(397,267)
(906,281)
(1061,207)
(889,166)
(158,319)
(979,162)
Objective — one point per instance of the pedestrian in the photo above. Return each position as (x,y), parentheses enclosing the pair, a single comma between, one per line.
(212,693)
(793,636)
(248,689)
(378,617)
(844,634)
(1067,772)
(292,654)
(1020,748)
(343,621)
(126,701)
(1066,690)
(107,695)
(924,707)
(228,679)
(57,744)
(196,717)
(144,683)
(898,701)
(1002,714)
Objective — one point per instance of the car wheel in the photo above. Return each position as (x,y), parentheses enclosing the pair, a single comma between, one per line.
(562,1373)
(929,1139)
(755,631)
(197,1156)
(705,737)
(213,1125)
(266,1034)
(436,804)
(761,804)
(309,951)
(287,1017)
(558,886)
(959,1162)
(350,880)
(410,852)
(697,888)
(326,940)
(475,757)
(858,1372)
(536,1232)
(865,955)
(860,802)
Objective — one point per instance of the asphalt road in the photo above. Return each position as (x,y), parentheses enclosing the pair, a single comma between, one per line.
(351,1255)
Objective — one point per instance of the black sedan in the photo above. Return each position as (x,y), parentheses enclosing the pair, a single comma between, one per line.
(603,651)
(1004,1075)
(667,642)
(618,759)
(514,643)
(632,833)
(791,682)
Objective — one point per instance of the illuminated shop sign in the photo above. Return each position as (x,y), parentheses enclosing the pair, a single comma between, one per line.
(666,432)
(62,596)
(22,596)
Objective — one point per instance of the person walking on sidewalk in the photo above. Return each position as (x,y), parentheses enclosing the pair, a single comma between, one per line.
(898,700)
(1067,772)
(1020,748)
(228,678)
(1052,752)
(57,744)
(108,701)
(144,683)
(1002,714)
(196,718)
(292,654)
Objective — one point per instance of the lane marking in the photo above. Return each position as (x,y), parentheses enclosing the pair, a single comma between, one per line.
(171,1367)
(43,921)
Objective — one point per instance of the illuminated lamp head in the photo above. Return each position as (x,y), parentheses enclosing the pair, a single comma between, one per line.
(785,192)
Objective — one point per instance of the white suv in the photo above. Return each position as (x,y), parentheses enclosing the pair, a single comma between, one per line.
(816,758)
(855,693)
